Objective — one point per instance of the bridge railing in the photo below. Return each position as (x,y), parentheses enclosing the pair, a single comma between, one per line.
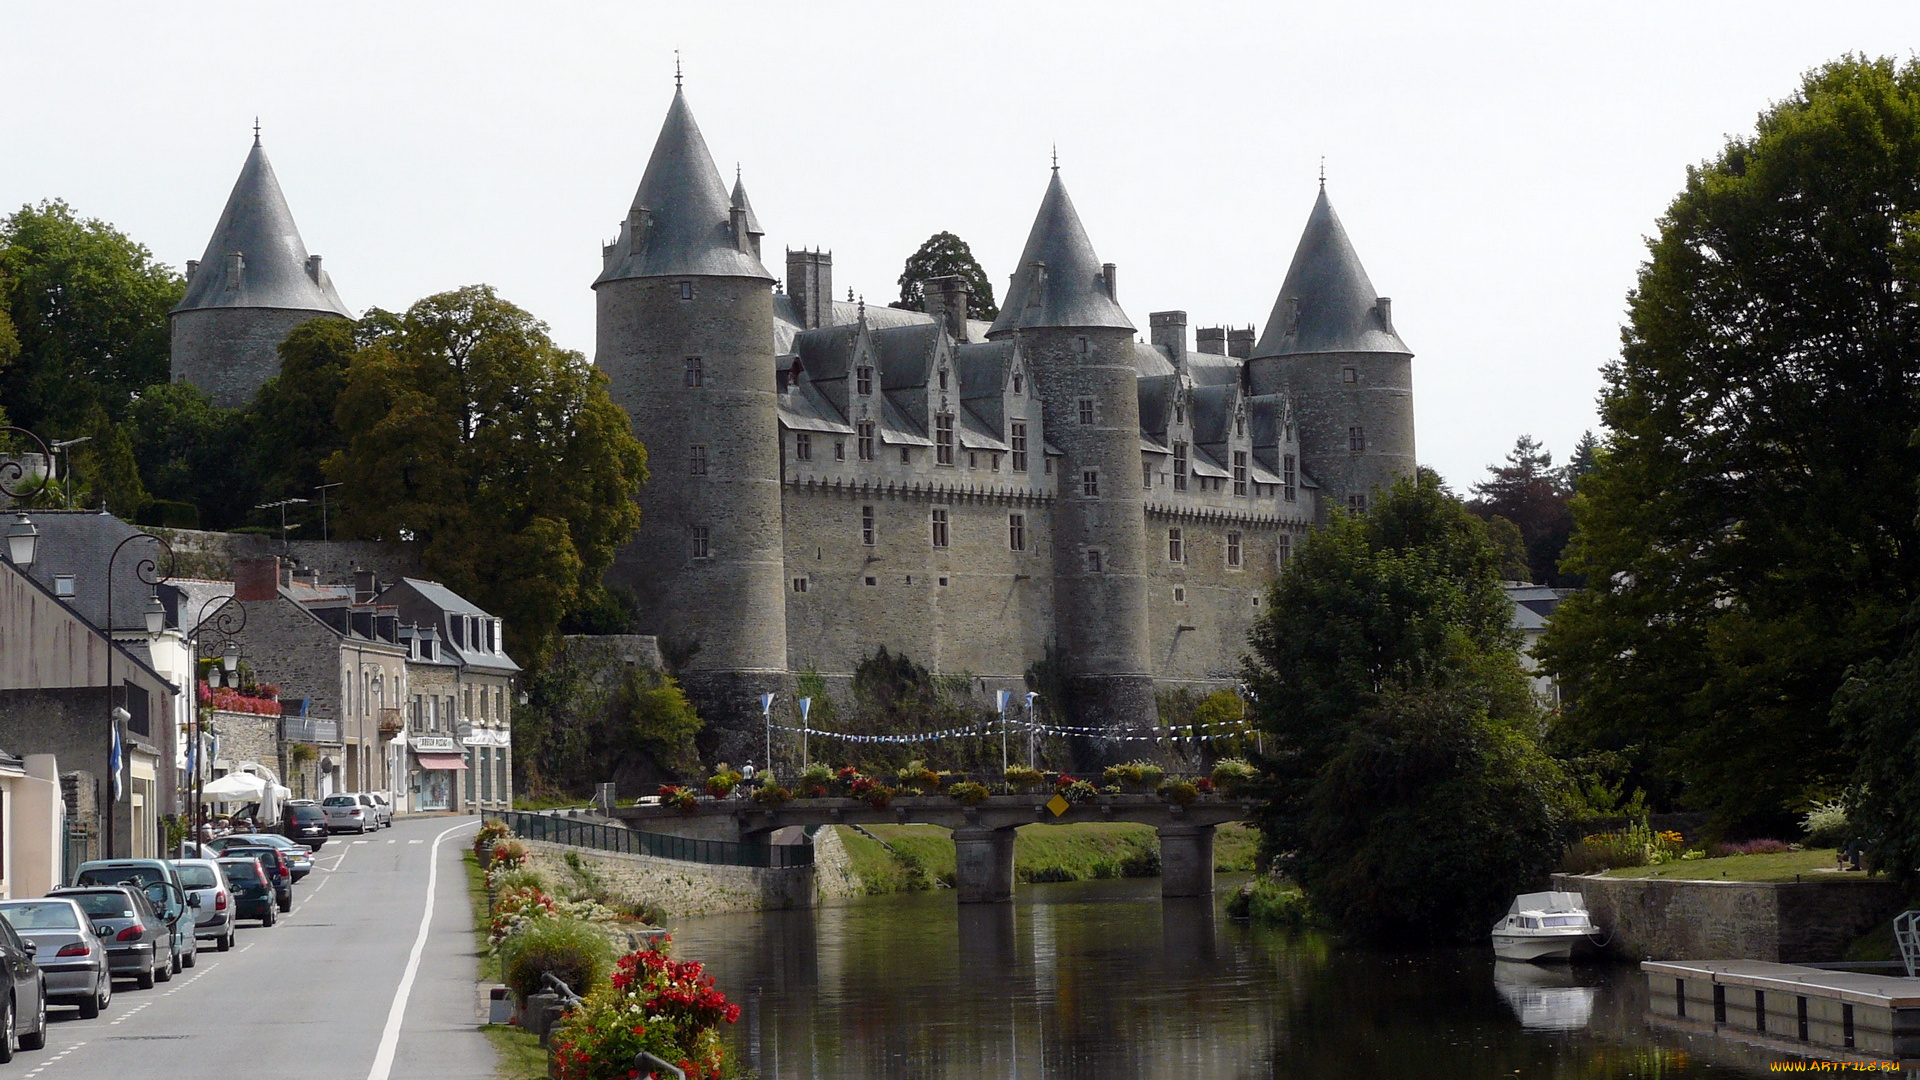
(589,834)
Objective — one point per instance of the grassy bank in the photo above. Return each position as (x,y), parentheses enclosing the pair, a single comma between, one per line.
(1817,863)
(482,917)
(922,856)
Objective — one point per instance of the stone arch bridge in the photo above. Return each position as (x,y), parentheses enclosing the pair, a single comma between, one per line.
(982,834)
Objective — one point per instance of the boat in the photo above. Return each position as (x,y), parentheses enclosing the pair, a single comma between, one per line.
(1542,926)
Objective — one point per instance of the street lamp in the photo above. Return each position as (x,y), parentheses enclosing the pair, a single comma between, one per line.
(148,571)
(156,614)
(228,618)
(23,541)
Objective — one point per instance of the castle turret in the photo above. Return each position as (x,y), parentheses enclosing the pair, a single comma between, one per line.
(255,283)
(685,337)
(1331,345)
(1063,309)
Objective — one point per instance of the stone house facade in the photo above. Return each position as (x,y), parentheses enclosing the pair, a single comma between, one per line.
(462,687)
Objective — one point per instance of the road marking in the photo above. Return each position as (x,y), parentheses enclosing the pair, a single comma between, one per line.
(396,841)
(410,841)
(390,1038)
(363,842)
(317,888)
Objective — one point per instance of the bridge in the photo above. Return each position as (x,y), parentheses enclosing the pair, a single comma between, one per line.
(982,833)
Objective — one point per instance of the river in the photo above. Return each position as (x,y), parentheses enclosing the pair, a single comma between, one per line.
(1105,981)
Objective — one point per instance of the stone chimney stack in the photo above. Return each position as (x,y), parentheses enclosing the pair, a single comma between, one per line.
(256,579)
(810,285)
(1211,340)
(364,586)
(1110,274)
(1240,342)
(946,299)
(1170,330)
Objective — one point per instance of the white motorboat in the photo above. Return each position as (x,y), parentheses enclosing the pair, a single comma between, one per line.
(1542,926)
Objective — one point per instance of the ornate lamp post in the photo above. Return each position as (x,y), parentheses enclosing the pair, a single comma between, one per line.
(147,569)
(19,482)
(224,623)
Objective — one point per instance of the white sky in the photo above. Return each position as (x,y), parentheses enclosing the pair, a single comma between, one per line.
(1497,165)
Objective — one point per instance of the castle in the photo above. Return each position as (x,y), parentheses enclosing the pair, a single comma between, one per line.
(828,477)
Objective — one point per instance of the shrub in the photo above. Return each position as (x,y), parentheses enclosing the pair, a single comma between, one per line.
(1077,791)
(575,952)
(504,880)
(1749,847)
(1636,845)
(515,910)
(1023,778)
(651,1003)
(879,796)
(1827,825)
(1231,775)
(680,798)
(508,854)
(816,773)
(967,793)
(1179,792)
(771,795)
(1271,903)
(721,784)
(915,774)
(1134,775)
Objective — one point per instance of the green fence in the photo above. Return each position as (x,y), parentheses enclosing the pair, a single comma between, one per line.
(587,834)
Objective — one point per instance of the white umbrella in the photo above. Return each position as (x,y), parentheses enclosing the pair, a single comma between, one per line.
(234,787)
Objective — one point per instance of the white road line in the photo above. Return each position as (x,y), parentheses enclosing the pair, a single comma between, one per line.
(393,841)
(390,1038)
(410,841)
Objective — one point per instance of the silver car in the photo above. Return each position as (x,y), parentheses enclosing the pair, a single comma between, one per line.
(208,899)
(71,957)
(345,812)
(299,856)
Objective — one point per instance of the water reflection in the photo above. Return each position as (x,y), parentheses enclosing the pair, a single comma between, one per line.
(1104,980)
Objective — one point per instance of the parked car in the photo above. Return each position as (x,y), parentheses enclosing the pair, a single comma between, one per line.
(208,897)
(155,878)
(305,824)
(299,856)
(139,945)
(26,995)
(72,958)
(381,806)
(344,812)
(251,887)
(279,872)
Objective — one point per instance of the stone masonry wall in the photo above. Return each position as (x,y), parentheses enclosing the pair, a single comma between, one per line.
(674,887)
(1785,922)
(229,352)
(1201,608)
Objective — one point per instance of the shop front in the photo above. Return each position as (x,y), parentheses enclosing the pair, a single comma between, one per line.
(433,780)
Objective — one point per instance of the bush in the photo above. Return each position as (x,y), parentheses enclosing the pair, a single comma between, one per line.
(516,877)
(916,775)
(967,793)
(508,854)
(1076,791)
(771,795)
(651,1003)
(574,951)
(1827,825)
(680,798)
(515,910)
(1749,847)
(1232,775)
(1021,778)
(721,784)
(1271,903)
(1180,792)
(1636,845)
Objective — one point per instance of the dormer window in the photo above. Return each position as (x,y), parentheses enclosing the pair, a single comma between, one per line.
(863,438)
(943,439)
(1017,442)
(1179,466)
(1240,426)
(686,290)
(863,379)
(63,586)
(1179,412)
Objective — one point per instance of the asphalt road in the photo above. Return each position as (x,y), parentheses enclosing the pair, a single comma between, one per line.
(334,991)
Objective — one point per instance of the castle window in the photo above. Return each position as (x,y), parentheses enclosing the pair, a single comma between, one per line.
(943,439)
(1179,594)
(943,378)
(866,525)
(1049,462)
(1179,466)
(699,543)
(1233,550)
(799,584)
(1239,472)
(1288,485)
(1090,483)
(996,463)
(1179,412)
(863,378)
(1283,550)
(1349,375)
(696,372)
(1176,546)
(696,461)
(1016,532)
(1093,560)
(1356,438)
(873,581)
(1018,441)
(686,290)
(1239,425)
(1146,475)
(940,533)
(802,446)
(906,455)
(1357,505)
(1016,382)
(1086,410)
(943,583)
(973,459)
(839,449)
(863,433)
(1083,346)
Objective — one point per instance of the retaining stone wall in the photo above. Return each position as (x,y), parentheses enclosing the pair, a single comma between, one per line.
(1785,922)
(674,887)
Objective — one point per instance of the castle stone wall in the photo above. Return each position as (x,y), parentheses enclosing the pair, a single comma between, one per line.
(1201,607)
(229,352)
(1379,401)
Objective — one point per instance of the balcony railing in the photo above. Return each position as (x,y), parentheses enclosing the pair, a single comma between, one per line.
(309,729)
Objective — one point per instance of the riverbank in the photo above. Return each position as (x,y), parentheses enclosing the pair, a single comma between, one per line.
(882,859)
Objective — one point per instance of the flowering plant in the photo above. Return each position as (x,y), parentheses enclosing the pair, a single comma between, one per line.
(968,793)
(227,699)
(1205,785)
(1078,791)
(1180,792)
(721,784)
(652,1003)
(681,799)
(514,909)
(508,854)
(491,833)
(771,795)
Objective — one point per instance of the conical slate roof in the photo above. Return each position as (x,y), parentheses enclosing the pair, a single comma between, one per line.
(740,200)
(272,271)
(1338,311)
(691,230)
(1059,281)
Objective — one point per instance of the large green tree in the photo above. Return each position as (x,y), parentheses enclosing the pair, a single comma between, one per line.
(89,310)
(1408,794)
(946,255)
(468,430)
(292,415)
(191,451)
(1747,532)
(1529,492)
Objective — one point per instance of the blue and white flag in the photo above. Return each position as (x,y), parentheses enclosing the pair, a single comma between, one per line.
(1000,698)
(115,762)
(766,704)
(1030,696)
(806,706)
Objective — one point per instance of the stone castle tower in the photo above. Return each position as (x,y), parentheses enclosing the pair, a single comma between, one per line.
(828,478)
(684,329)
(255,283)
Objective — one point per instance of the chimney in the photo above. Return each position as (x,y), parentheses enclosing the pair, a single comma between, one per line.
(945,298)
(1384,305)
(193,266)
(1240,342)
(1111,275)
(364,586)
(810,285)
(236,262)
(313,268)
(1211,340)
(1170,330)
(255,579)
(286,573)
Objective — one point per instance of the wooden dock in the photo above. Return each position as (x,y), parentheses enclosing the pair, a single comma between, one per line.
(1801,1010)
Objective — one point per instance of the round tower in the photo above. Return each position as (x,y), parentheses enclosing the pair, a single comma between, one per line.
(1063,308)
(254,284)
(685,337)
(1330,344)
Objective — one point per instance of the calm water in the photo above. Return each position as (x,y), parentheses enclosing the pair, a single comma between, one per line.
(1104,981)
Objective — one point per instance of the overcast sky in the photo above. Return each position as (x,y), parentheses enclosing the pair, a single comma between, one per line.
(1497,165)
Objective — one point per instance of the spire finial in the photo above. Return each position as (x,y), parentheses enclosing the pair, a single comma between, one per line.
(256,131)
(676,69)
(1056,157)
(1323,172)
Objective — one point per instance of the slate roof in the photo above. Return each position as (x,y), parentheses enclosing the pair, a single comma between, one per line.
(274,269)
(447,603)
(740,199)
(1059,281)
(692,213)
(1338,310)
(81,543)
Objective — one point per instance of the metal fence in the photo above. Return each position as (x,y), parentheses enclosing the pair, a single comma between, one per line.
(309,729)
(587,834)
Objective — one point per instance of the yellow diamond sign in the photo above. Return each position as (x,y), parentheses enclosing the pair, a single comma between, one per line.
(1058,804)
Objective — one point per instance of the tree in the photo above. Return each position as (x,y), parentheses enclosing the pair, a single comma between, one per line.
(1748,532)
(1878,707)
(292,413)
(1408,796)
(1529,492)
(104,471)
(89,310)
(946,255)
(189,450)
(468,430)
